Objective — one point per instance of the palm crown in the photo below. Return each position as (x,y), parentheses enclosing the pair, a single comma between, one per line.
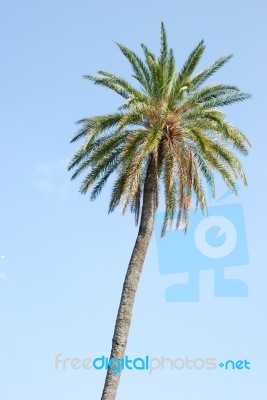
(170,120)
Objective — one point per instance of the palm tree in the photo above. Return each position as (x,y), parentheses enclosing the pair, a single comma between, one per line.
(169,133)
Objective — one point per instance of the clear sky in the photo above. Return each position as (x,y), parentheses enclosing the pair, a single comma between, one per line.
(66,257)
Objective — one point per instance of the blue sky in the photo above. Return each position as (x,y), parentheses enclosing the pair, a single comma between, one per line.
(66,257)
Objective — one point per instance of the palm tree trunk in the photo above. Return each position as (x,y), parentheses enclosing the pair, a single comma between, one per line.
(135,267)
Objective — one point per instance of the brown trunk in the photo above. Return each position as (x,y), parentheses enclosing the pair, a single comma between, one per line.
(135,267)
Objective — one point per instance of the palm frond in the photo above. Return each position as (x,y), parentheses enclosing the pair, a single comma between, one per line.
(170,122)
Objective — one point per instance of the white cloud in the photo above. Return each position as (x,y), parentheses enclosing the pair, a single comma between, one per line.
(2,276)
(52,178)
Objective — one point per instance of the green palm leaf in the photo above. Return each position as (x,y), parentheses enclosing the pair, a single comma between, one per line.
(170,119)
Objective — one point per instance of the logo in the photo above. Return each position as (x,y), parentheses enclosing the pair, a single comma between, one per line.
(147,363)
(214,242)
